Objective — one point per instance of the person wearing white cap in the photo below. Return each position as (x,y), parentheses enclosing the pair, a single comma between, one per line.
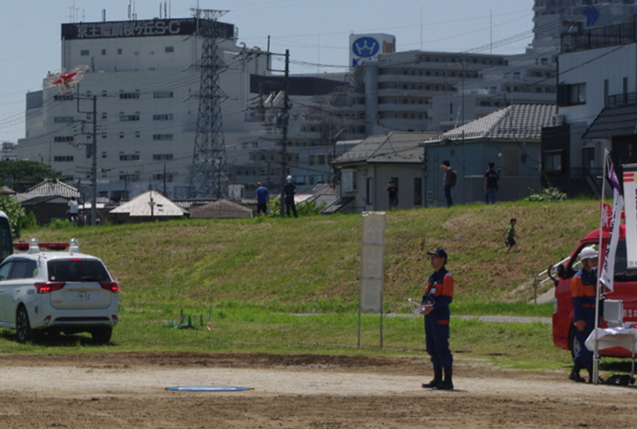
(583,294)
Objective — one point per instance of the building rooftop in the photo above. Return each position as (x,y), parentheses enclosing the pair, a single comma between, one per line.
(141,206)
(395,147)
(519,121)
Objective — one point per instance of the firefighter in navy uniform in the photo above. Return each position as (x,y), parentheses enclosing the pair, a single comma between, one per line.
(583,293)
(435,308)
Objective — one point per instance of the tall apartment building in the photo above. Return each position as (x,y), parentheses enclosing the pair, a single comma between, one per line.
(143,74)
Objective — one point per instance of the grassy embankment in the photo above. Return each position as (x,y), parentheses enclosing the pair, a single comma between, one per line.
(263,272)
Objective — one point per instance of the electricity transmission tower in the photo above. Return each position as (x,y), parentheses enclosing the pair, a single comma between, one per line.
(208,177)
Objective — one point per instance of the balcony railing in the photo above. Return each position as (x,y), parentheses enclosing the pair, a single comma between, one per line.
(599,38)
(628,98)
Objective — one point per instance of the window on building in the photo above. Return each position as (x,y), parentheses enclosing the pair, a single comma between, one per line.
(162,156)
(128,118)
(85,52)
(417,191)
(62,119)
(62,158)
(119,51)
(552,161)
(164,117)
(162,137)
(129,157)
(103,51)
(66,97)
(103,154)
(370,191)
(63,139)
(129,177)
(163,94)
(160,176)
(128,95)
(348,180)
(317,159)
(169,49)
(571,95)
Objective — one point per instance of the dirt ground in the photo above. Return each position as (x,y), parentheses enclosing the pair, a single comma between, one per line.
(127,390)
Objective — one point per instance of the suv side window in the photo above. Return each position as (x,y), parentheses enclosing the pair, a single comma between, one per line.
(23,270)
(5,270)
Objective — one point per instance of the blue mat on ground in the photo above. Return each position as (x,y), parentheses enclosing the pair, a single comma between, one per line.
(208,388)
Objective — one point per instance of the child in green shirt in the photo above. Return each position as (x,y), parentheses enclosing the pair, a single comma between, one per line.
(510,235)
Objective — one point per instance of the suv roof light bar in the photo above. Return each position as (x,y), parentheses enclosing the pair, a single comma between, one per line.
(33,246)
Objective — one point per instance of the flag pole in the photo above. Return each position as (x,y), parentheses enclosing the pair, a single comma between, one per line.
(595,374)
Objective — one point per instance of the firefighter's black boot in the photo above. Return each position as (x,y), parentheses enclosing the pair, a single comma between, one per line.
(447,383)
(435,382)
(574,375)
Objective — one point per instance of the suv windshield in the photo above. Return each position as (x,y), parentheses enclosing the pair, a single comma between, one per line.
(622,273)
(61,270)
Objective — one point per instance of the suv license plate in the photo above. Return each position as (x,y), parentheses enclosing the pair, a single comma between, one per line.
(82,296)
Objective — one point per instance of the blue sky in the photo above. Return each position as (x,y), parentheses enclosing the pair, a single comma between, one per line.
(315,31)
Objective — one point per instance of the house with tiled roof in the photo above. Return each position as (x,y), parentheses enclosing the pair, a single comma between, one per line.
(47,200)
(510,138)
(367,168)
(149,206)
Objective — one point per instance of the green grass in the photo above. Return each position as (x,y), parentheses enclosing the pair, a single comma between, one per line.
(263,271)
(240,328)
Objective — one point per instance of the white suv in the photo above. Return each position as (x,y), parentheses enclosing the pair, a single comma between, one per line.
(59,291)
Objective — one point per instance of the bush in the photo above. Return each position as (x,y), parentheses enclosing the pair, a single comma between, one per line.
(309,208)
(548,194)
(18,218)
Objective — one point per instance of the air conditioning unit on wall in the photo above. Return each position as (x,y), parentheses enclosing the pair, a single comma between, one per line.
(557,120)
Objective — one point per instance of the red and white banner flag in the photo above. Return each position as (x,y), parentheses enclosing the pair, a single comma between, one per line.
(630,194)
(608,269)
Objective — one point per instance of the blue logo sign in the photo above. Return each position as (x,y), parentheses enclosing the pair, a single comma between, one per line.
(365,47)
(591,14)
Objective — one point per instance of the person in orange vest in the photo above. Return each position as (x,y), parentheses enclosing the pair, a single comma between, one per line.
(583,294)
(435,307)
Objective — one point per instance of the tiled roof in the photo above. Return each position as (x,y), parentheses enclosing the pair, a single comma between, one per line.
(613,121)
(519,121)
(53,187)
(395,147)
(221,209)
(140,206)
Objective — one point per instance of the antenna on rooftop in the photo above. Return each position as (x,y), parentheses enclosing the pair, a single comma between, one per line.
(103,15)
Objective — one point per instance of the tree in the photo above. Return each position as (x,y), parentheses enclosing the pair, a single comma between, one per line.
(18,218)
(22,175)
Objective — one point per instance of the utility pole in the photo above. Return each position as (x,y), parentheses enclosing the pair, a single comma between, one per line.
(285,116)
(164,179)
(283,120)
(93,145)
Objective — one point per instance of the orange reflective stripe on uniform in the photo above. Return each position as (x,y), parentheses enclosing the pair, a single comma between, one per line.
(447,285)
(442,322)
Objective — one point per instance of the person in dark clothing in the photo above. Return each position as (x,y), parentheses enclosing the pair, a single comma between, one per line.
(446,181)
(491,183)
(262,197)
(393,194)
(435,307)
(290,190)
(584,298)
